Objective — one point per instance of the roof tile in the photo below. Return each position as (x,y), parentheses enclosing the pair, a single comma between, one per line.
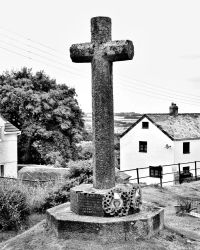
(181,126)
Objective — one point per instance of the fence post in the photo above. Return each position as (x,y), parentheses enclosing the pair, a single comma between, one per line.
(138,178)
(161,181)
(195,165)
(179,172)
(161,176)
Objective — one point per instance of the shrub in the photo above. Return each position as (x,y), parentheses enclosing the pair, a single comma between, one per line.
(87,134)
(53,199)
(59,196)
(34,193)
(81,171)
(185,206)
(86,150)
(29,197)
(55,159)
(14,208)
(38,193)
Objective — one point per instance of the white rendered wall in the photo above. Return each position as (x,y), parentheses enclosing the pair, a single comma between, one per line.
(194,155)
(157,153)
(8,154)
(10,170)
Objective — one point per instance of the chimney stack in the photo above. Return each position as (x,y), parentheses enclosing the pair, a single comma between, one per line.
(173,109)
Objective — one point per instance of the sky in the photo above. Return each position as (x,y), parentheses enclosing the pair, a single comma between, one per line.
(165,33)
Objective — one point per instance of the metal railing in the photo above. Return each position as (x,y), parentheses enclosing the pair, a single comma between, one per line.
(180,178)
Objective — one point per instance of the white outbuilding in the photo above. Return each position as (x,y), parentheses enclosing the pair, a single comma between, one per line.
(156,140)
(8,148)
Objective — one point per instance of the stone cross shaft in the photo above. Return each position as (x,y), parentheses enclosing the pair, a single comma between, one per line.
(101,52)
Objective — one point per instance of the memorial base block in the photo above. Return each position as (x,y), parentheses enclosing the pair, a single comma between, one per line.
(121,200)
(85,200)
(68,225)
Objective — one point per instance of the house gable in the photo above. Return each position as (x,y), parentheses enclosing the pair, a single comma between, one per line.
(139,120)
(143,147)
(8,128)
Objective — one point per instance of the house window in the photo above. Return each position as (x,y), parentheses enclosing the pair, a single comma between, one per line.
(1,170)
(186,147)
(145,125)
(143,146)
(186,170)
(155,172)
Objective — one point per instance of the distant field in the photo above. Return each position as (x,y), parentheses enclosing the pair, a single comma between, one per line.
(122,121)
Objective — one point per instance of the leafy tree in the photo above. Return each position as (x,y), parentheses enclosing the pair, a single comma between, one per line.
(47,114)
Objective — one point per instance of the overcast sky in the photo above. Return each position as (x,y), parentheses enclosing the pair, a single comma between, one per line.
(165,33)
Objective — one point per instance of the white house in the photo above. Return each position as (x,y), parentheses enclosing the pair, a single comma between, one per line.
(8,149)
(161,139)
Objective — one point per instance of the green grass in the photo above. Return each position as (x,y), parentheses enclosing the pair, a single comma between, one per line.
(33,219)
(42,237)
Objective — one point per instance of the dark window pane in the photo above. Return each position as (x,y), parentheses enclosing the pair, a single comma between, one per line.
(186,170)
(145,125)
(142,146)
(155,171)
(186,147)
(2,170)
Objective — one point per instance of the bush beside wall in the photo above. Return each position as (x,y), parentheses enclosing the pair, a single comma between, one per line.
(14,208)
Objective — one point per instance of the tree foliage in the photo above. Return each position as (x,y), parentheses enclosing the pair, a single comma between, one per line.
(47,114)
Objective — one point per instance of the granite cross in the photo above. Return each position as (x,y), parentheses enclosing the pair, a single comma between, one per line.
(101,52)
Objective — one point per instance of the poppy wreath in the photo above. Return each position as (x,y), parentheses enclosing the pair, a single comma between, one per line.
(122,201)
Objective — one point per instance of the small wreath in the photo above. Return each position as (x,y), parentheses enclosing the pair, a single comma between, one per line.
(118,202)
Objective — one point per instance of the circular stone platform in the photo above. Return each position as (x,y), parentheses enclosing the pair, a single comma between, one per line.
(67,224)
